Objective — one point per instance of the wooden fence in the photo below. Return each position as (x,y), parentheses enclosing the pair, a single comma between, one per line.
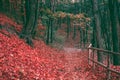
(92,51)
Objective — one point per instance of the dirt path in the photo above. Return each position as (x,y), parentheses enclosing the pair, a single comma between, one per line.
(76,66)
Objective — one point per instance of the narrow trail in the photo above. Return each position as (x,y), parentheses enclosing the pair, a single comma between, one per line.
(76,66)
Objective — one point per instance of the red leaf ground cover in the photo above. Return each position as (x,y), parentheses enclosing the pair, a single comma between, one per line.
(18,61)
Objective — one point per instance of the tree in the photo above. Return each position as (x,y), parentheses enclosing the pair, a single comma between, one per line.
(98,27)
(1,3)
(28,30)
(114,25)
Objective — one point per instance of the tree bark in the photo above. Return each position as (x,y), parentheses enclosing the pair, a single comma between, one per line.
(31,20)
(1,3)
(98,28)
(114,26)
(48,32)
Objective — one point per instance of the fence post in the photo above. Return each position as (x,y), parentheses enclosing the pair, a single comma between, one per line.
(93,57)
(89,53)
(88,56)
(108,67)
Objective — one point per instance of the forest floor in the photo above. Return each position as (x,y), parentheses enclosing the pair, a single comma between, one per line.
(18,61)
(76,66)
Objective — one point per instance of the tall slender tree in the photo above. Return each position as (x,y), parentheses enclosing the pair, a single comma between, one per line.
(31,10)
(114,26)
(98,27)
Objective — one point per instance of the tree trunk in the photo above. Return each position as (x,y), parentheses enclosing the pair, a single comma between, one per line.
(1,4)
(81,37)
(51,34)
(31,20)
(74,32)
(114,26)
(7,5)
(68,26)
(36,18)
(48,32)
(23,12)
(98,28)
(118,13)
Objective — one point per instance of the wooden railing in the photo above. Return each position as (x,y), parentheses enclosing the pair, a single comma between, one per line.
(92,57)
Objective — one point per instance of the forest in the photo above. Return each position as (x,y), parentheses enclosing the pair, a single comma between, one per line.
(60,40)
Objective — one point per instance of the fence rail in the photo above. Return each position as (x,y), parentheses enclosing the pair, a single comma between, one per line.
(91,58)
